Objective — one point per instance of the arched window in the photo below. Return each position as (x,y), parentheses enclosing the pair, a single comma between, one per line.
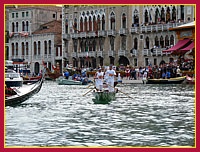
(13,49)
(90,23)
(23,48)
(146,18)
(136,17)
(161,42)
(98,23)
(39,47)
(123,20)
(35,48)
(86,46)
(75,25)
(168,15)
(171,40)
(75,45)
(49,46)
(174,13)
(157,16)
(66,25)
(94,45)
(23,26)
(147,42)
(90,45)
(26,48)
(13,27)
(94,24)
(17,27)
(81,24)
(112,21)
(166,41)
(103,22)
(156,41)
(81,46)
(27,26)
(85,24)
(163,15)
(45,47)
(136,43)
(182,12)
(17,49)
(123,43)
(112,43)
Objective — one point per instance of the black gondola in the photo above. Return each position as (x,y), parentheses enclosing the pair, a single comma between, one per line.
(23,93)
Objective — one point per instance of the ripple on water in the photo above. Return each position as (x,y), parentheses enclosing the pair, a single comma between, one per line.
(158,115)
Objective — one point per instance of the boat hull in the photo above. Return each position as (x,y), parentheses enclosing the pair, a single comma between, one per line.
(103,97)
(20,97)
(177,80)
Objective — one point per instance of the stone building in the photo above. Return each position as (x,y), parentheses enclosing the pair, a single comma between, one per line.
(28,40)
(132,35)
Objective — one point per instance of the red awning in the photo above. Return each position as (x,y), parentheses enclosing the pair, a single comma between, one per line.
(179,45)
(188,48)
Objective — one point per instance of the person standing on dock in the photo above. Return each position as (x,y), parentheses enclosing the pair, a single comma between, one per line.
(110,80)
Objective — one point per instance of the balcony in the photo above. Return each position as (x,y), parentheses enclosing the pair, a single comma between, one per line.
(92,53)
(134,30)
(123,31)
(81,54)
(102,33)
(123,52)
(66,36)
(111,53)
(134,52)
(146,52)
(99,53)
(75,35)
(111,33)
(74,54)
(83,35)
(92,34)
(157,51)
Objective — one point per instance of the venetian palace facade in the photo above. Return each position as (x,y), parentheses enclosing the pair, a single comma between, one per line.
(132,35)
(89,35)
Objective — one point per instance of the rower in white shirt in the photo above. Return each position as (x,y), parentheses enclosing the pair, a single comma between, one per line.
(110,80)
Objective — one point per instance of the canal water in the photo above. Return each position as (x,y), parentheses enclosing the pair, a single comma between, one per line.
(59,115)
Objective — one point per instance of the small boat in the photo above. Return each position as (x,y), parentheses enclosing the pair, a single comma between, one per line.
(62,81)
(27,79)
(190,80)
(13,79)
(177,80)
(17,95)
(52,75)
(104,97)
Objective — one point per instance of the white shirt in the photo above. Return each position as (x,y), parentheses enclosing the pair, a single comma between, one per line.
(110,74)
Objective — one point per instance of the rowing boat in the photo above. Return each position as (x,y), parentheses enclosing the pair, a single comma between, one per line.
(177,80)
(103,97)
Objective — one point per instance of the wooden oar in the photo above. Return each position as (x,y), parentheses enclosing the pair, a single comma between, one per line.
(88,91)
(120,91)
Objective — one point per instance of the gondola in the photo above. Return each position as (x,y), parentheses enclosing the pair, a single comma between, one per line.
(21,94)
(177,80)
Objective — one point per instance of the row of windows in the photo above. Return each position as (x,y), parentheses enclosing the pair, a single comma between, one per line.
(91,44)
(24,26)
(36,47)
(23,14)
(93,23)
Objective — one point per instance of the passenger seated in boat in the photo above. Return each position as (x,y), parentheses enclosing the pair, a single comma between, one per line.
(99,80)
(168,74)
